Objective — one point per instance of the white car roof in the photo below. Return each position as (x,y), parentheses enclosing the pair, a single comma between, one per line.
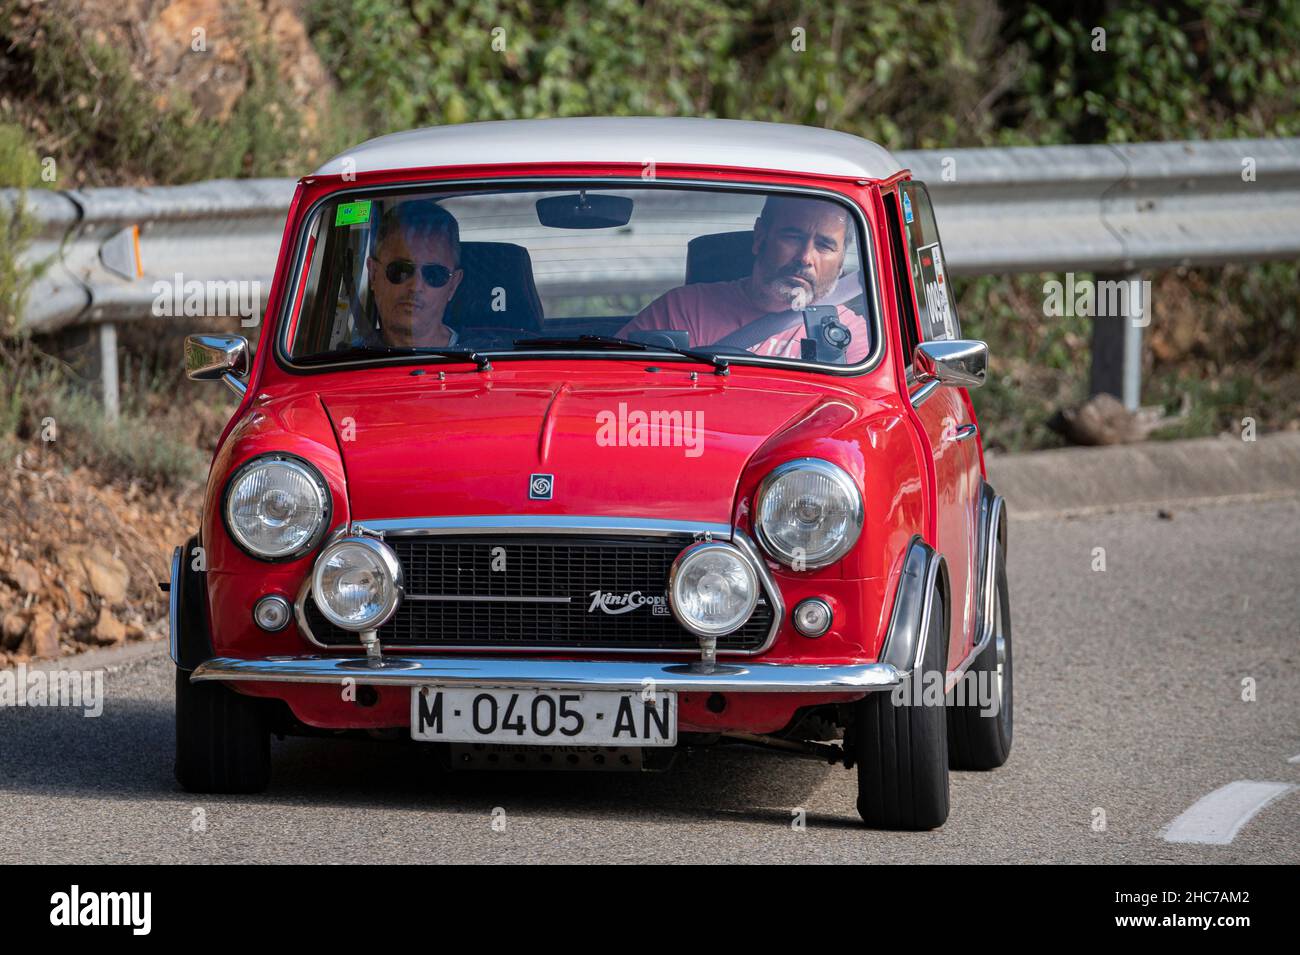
(663,140)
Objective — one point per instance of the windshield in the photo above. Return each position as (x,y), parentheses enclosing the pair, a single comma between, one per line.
(713,272)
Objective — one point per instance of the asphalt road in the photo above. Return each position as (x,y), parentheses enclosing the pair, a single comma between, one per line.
(1128,701)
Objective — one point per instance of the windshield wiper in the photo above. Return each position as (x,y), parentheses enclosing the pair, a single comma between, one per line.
(363,351)
(720,364)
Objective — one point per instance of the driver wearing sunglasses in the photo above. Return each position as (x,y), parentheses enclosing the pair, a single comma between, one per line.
(414,271)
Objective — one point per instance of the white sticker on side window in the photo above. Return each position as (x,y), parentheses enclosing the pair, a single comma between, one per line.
(938,311)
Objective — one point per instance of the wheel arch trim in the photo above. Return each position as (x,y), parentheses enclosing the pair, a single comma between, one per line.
(924,572)
(992,532)
(190,642)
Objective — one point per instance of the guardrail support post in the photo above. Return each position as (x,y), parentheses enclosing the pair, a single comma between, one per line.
(1139,316)
(1117,342)
(107,333)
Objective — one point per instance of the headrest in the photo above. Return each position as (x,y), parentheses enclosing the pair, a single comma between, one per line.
(496,274)
(721,257)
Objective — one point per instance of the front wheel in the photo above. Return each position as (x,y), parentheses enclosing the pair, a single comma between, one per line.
(900,744)
(223,744)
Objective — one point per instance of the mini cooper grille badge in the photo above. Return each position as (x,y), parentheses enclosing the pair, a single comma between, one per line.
(540,487)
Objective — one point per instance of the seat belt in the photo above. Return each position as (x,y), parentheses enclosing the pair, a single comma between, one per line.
(759,330)
(826,340)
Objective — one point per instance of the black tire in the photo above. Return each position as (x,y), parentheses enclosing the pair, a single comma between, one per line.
(901,749)
(222,741)
(977,739)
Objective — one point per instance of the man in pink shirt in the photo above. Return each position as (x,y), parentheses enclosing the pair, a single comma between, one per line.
(799,247)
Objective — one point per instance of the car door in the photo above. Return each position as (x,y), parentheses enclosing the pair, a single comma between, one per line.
(929,313)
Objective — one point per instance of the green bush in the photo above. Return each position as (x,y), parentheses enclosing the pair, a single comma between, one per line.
(44,400)
(108,123)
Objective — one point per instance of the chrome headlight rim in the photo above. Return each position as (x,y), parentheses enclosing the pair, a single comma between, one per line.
(387,558)
(297,463)
(690,553)
(842,479)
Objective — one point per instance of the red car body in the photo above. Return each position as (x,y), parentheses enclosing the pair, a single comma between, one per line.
(460,445)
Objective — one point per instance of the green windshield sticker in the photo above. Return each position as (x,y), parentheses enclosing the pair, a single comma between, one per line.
(352,213)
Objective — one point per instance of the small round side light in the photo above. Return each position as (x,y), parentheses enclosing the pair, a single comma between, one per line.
(272,613)
(812,617)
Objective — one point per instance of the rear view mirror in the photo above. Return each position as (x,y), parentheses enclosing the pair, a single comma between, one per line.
(217,358)
(583,211)
(960,362)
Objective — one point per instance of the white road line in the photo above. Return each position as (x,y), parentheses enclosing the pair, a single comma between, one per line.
(1294,759)
(1216,818)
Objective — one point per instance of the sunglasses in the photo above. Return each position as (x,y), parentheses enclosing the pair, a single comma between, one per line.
(400,271)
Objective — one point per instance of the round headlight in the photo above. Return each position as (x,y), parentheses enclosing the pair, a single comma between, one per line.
(713,588)
(277,507)
(357,583)
(808,513)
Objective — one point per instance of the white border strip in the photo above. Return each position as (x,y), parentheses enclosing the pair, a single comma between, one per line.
(1216,818)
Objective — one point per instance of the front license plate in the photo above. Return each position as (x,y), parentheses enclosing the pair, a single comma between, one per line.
(543,717)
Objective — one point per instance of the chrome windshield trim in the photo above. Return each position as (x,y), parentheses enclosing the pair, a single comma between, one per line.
(869,254)
(541,524)
(504,671)
(559,524)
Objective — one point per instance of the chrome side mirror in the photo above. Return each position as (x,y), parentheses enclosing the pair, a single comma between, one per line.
(959,362)
(218,357)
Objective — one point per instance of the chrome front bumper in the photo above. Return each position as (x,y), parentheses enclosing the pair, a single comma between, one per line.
(726,677)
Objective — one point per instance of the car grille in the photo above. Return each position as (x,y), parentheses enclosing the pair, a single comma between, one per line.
(513,591)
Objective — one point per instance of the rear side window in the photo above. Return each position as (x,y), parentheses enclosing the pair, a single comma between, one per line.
(934,298)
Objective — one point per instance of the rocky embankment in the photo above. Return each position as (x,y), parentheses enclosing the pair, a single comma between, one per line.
(80,562)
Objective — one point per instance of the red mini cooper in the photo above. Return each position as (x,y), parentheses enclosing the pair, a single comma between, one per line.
(580,443)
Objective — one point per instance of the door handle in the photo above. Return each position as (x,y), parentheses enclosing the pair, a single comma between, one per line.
(966,431)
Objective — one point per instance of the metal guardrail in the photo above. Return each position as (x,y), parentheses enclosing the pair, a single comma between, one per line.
(1110,209)
(1114,208)
(222,230)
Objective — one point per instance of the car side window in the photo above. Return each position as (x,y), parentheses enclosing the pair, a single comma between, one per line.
(902,295)
(934,298)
